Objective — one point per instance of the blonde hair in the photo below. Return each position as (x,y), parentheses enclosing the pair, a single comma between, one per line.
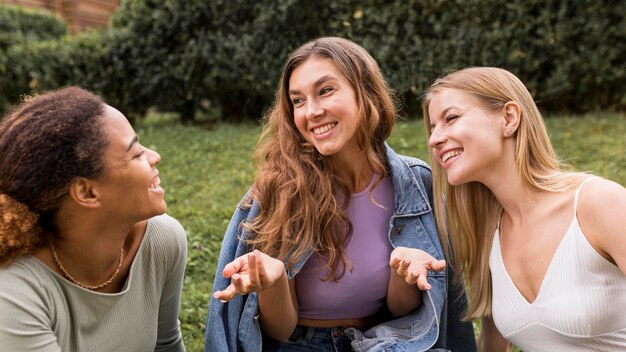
(301,198)
(471,211)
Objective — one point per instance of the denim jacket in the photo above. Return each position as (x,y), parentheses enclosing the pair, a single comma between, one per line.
(433,326)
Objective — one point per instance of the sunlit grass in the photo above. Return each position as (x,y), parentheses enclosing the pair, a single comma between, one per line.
(205,172)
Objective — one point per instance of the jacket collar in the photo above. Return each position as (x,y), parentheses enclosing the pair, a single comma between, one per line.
(409,195)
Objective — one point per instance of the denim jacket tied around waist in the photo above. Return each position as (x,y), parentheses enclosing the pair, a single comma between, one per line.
(234,326)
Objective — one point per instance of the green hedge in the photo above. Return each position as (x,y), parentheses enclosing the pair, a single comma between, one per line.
(572,55)
(19,28)
(18,24)
(185,56)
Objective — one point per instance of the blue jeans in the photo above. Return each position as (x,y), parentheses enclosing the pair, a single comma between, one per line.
(306,339)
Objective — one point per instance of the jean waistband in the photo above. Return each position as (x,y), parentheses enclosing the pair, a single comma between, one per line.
(307,333)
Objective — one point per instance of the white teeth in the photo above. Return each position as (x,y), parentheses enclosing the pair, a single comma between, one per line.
(155,183)
(450,154)
(325,128)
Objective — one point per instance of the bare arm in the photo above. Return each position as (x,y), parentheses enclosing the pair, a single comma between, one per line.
(490,339)
(278,305)
(409,268)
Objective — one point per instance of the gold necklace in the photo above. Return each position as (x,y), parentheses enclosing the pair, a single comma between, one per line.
(73,280)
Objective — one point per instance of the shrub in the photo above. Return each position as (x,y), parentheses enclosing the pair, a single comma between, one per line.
(19,28)
(183,56)
(570,54)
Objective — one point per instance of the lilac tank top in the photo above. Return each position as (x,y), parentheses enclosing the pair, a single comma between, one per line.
(362,292)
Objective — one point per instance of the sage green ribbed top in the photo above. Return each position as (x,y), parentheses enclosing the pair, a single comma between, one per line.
(42,311)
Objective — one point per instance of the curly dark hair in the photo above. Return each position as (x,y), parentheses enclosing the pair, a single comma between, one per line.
(45,143)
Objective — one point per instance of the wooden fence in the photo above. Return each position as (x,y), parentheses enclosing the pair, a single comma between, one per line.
(79,14)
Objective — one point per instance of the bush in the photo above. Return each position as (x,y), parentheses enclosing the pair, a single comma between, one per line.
(19,28)
(185,56)
(18,24)
(570,54)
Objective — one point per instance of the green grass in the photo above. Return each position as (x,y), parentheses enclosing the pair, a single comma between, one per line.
(206,171)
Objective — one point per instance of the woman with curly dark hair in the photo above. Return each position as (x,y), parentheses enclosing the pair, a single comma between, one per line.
(88,261)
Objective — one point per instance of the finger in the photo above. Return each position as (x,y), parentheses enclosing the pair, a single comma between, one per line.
(261,271)
(226,295)
(235,266)
(411,278)
(253,273)
(436,265)
(422,282)
(395,262)
(403,267)
(240,284)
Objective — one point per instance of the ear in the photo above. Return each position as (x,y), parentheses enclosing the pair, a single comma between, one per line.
(512,115)
(84,193)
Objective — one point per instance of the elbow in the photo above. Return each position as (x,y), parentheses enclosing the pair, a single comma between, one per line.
(399,308)
(280,336)
(281,331)
(397,312)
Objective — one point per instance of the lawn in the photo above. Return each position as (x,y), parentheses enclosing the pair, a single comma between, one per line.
(205,172)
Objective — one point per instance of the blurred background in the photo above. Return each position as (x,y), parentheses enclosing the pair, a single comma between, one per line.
(195,76)
(220,59)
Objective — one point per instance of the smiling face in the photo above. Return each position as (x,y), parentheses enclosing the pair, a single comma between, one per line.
(325,108)
(466,138)
(130,183)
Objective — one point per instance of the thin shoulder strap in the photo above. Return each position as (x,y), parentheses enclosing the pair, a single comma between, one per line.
(578,191)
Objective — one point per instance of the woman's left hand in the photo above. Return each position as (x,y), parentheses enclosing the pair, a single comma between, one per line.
(413,264)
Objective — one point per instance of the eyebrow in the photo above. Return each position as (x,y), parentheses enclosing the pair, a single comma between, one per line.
(317,83)
(130,145)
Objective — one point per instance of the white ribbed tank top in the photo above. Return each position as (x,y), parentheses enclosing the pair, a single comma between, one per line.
(581,304)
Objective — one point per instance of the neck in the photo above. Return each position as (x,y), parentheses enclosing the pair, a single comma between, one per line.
(71,277)
(89,248)
(355,172)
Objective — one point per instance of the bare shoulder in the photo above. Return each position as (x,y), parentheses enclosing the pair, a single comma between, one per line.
(601,196)
(602,217)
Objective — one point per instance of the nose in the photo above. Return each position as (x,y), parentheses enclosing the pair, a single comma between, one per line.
(313,109)
(153,157)
(436,139)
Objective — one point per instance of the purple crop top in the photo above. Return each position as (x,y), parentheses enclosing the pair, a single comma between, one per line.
(362,292)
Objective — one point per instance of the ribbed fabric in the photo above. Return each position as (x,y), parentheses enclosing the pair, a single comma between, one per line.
(42,311)
(362,292)
(581,305)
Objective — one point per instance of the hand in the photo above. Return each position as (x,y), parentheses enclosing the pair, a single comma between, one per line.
(252,272)
(413,264)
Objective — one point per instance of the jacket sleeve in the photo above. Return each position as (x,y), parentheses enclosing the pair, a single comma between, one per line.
(223,318)
(454,334)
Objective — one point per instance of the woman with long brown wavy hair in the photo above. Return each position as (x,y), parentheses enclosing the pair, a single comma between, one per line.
(332,249)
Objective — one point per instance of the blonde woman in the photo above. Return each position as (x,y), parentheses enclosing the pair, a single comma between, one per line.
(542,250)
(330,249)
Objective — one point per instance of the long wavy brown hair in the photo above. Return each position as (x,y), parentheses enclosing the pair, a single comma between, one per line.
(302,200)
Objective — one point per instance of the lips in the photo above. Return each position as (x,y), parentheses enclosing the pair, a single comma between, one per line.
(324,128)
(156,183)
(450,154)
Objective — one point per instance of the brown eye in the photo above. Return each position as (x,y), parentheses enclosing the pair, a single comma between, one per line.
(451,118)
(297,101)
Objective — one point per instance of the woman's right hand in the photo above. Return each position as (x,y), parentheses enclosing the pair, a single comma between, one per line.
(252,272)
